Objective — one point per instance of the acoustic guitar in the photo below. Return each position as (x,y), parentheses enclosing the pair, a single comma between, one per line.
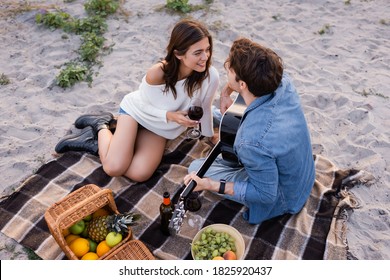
(227,133)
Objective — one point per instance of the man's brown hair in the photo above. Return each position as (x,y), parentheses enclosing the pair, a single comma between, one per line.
(259,67)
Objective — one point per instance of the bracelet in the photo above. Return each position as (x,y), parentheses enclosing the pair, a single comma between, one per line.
(222,186)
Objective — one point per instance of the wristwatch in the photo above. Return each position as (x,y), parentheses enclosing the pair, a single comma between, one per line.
(222,186)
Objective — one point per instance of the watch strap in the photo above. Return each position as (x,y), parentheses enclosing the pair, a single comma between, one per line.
(222,186)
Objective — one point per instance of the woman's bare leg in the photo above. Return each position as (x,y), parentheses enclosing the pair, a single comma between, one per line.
(148,152)
(132,152)
(116,150)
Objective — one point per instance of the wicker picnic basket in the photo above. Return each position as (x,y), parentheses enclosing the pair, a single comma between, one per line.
(131,250)
(81,203)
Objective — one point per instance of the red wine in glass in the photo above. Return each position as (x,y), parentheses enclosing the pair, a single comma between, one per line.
(195,112)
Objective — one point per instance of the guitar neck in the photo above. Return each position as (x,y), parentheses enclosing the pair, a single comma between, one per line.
(202,170)
(228,128)
(179,211)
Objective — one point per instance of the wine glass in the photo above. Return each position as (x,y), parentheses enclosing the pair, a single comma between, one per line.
(192,202)
(195,112)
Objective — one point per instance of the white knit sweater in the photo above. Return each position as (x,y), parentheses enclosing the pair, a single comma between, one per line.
(149,105)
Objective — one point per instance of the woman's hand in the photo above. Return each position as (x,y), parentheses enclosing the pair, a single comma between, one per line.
(181,118)
(201,183)
(225,100)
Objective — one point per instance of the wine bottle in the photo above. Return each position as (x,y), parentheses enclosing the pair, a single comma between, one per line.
(166,210)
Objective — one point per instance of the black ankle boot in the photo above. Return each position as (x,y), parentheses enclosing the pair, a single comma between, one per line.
(96,121)
(84,141)
(112,125)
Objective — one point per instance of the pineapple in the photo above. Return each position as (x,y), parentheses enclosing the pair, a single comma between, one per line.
(99,227)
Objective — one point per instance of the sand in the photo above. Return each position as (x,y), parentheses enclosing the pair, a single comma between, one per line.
(337,52)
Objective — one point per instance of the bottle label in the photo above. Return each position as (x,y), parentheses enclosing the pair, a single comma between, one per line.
(166,201)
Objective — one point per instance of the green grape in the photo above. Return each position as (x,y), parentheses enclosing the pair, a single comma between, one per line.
(212,244)
(222,250)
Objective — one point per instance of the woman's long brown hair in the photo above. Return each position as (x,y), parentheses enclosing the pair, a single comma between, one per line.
(184,34)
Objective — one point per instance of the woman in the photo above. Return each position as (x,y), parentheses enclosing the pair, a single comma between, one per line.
(157,111)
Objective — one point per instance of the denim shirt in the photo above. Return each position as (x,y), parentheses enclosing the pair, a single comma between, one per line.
(273,144)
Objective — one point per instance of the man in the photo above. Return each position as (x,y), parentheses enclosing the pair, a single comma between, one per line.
(276,171)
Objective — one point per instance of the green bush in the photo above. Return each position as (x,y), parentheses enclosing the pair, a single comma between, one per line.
(94,39)
(179,5)
(95,24)
(101,7)
(91,29)
(4,80)
(89,49)
(54,20)
(72,74)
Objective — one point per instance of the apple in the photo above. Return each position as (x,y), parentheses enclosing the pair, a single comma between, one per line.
(113,238)
(230,255)
(84,233)
(78,227)
(88,218)
(92,245)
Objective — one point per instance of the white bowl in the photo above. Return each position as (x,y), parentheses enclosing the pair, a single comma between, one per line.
(235,234)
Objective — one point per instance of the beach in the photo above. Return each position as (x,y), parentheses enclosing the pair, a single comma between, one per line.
(337,53)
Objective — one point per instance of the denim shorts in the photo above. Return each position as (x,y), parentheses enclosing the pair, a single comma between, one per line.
(122,112)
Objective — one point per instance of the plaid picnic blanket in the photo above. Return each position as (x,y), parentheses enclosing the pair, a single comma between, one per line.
(317,232)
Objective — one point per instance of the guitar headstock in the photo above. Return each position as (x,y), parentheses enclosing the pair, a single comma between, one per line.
(177,218)
(178,214)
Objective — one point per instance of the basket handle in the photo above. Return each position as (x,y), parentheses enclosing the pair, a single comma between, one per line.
(88,206)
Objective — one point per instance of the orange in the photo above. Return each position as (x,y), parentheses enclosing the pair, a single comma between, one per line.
(79,247)
(65,232)
(90,256)
(100,212)
(102,248)
(70,237)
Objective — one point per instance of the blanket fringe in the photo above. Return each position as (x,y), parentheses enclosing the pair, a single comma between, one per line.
(354,178)
(358,177)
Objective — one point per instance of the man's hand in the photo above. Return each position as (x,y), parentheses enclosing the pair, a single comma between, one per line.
(201,183)
(225,100)
(208,184)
